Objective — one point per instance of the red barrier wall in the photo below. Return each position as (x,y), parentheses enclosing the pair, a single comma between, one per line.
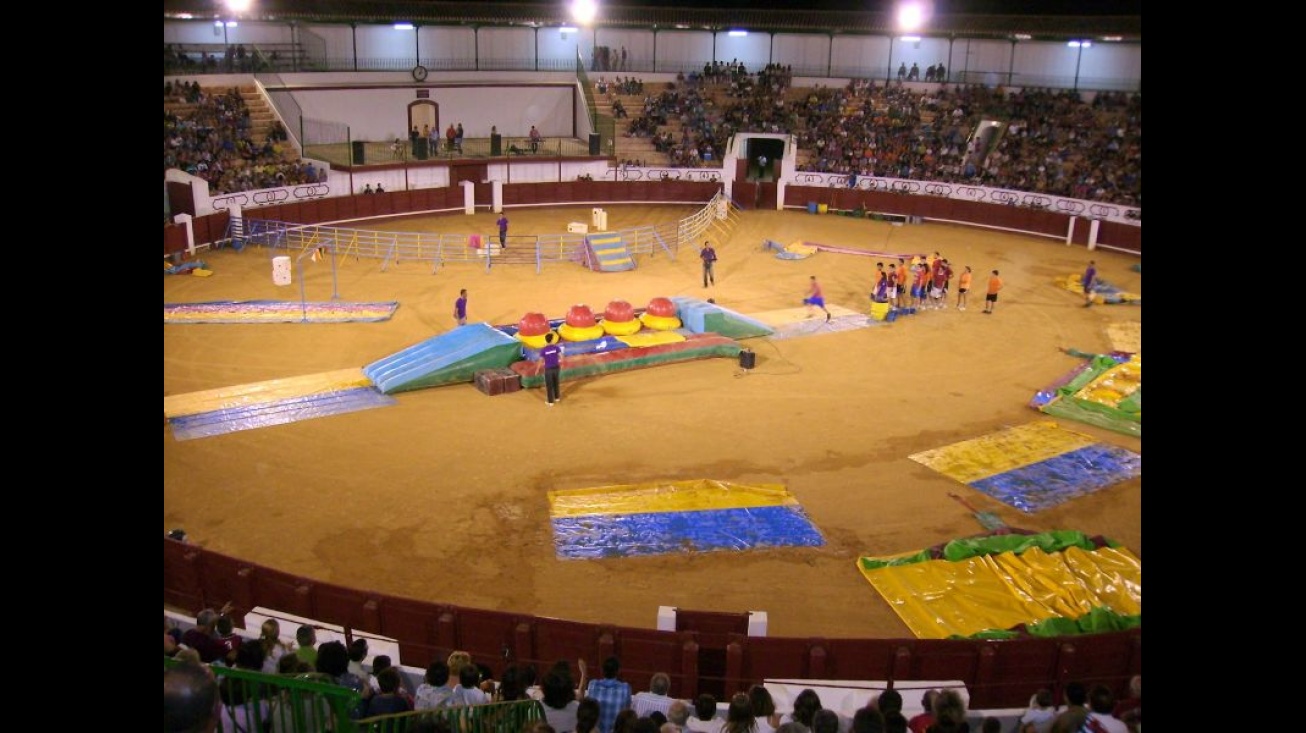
(213,227)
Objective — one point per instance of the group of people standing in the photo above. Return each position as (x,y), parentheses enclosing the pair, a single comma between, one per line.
(926,282)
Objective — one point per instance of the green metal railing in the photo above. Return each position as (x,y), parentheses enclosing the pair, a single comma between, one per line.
(495,717)
(257,702)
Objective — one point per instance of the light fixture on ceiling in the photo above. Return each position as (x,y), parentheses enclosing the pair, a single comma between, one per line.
(737,34)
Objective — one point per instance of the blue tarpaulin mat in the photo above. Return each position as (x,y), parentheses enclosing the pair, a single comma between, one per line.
(660,533)
(1058,479)
(278,412)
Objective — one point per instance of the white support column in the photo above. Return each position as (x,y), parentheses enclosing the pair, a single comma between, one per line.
(757,622)
(1070,230)
(666,618)
(469,197)
(1093,226)
(187,222)
(496,195)
(779,195)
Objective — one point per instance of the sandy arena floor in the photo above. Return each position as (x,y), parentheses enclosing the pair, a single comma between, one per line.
(442,496)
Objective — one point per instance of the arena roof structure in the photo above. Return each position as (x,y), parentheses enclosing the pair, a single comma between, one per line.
(796,18)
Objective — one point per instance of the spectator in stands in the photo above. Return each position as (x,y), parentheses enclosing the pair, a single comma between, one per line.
(868,720)
(511,684)
(202,636)
(171,638)
(389,700)
(435,689)
(368,189)
(457,660)
(306,638)
(703,719)
(244,701)
(889,701)
(380,188)
(224,630)
(740,718)
(895,722)
(991,724)
(586,716)
(458,138)
(949,713)
(678,715)
(274,648)
(333,660)
(1130,709)
(190,695)
(529,680)
(656,698)
(468,691)
(612,693)
(1038,718)
(536,139)
(806,703)
(1101,703)
(825,721)
(625,722)
(357,650)
(560,703)
(382,662)
(763,709)
(1071,719)
(925,718)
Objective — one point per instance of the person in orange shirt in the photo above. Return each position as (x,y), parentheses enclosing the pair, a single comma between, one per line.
(902,281)
(963,284)
(991,298)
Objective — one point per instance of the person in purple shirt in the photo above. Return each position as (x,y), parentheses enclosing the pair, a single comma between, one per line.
(460,308)
(1088,281)
(551,354)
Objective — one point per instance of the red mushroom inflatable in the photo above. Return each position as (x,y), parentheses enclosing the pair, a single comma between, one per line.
(580,324)
(660,315)
(532,328)
(619,319)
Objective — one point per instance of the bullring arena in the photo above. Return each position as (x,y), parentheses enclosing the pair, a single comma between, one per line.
(443,496)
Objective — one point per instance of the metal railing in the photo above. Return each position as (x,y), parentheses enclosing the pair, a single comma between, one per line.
(436,249)
(308,703)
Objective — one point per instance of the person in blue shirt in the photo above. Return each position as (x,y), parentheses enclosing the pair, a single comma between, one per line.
(551,355)
(613,694)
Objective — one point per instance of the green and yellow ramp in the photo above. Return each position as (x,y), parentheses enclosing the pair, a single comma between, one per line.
(610,252)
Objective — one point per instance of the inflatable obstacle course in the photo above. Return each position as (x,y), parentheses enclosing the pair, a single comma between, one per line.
(448,358)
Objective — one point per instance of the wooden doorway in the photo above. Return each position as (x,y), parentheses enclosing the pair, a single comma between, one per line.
(424,115)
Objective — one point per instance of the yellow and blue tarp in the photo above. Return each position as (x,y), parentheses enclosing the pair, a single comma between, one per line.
(1035,466)
(663,517)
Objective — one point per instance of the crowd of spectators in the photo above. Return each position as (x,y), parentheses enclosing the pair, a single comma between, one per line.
(209,134)
(1055,142)
(606,704)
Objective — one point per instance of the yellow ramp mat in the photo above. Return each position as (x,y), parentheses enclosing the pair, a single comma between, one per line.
(988,455)
(243,395)
(938,598)
(667,496)
(645,338)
